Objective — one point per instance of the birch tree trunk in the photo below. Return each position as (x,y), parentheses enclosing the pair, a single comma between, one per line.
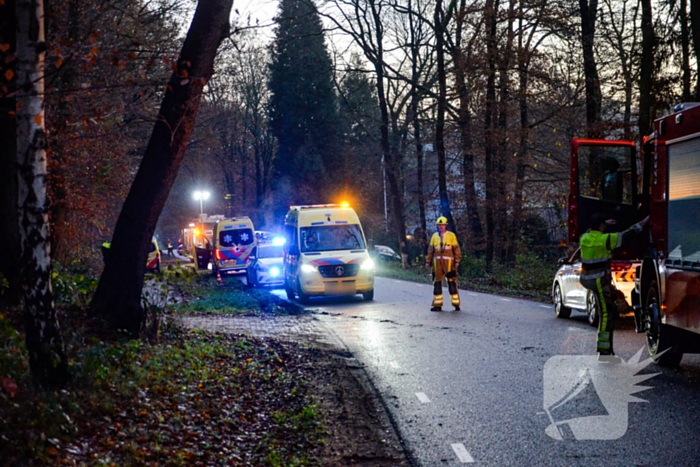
(118,295)
(47,356)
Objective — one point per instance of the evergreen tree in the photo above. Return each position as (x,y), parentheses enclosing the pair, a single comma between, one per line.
(303,105)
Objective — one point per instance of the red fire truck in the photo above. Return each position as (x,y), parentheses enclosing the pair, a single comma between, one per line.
(664,183)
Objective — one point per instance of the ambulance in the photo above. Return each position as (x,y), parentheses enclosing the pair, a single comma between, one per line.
(325,253)
(233,241)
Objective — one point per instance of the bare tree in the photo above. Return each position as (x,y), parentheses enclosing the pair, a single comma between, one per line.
(646,72)
(589,11)
(118,296)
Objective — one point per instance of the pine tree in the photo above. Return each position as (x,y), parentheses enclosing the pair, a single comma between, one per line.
(303,105)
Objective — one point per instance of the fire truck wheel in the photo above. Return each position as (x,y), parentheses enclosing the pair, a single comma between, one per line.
(658,344)
(592,309)
(303,298)
(559,309)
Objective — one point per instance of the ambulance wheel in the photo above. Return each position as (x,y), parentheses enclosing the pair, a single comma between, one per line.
(560,311)
(368,296)
(658,343)
(249,280)
(592,308)
(303,298)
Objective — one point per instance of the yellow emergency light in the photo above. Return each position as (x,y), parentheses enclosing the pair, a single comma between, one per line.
(196,232)
(345,204)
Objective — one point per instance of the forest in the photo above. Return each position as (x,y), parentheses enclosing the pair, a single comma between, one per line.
(112,113)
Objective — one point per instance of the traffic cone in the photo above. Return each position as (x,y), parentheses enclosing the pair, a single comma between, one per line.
(218,276)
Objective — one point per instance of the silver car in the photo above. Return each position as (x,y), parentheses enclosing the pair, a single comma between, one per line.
(568,294)
(266,268)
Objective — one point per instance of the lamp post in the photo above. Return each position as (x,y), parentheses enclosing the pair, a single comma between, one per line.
(201,195)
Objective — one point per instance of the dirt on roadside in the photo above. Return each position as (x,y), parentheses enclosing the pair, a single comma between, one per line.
(359,430)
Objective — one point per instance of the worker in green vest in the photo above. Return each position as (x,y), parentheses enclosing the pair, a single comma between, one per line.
(597,245)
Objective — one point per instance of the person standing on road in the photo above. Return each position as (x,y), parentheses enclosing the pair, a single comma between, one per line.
(596,252)
(444,254)
(170,249)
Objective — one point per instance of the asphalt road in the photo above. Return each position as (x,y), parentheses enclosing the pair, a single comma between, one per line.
(472,386)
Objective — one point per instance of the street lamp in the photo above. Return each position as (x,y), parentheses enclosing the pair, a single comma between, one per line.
(201,195)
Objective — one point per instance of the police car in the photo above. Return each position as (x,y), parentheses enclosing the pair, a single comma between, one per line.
(266,264)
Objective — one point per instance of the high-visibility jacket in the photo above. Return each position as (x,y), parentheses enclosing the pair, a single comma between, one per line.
(444,251)
(596,252)
(597,248)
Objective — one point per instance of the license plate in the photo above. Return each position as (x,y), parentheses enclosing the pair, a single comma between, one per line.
(340,288)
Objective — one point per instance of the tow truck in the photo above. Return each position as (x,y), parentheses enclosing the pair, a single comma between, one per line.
(663,181)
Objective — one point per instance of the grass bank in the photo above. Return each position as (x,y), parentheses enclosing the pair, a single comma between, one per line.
(531,276)
(183,398)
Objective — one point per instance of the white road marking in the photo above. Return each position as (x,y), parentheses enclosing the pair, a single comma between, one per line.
(506,299)
(472,294)
(546,306)
(393,364)
(422,397)
(462,453)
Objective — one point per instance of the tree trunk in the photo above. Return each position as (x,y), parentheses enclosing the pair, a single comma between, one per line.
(390,157)
(47,356)
(416,95)
(502,232)
(646,71)
(695,29)
(594,95)
(9,220)
(440,123)
(685,49)
(490,12)
(464,123)
(118,295)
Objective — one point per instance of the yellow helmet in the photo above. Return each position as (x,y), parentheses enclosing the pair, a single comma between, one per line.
(441,221)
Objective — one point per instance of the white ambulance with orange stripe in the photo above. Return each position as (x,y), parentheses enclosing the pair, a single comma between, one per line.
(233,241)
(326,253)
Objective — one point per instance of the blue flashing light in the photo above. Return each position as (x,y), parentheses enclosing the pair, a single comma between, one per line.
(274,272)
(278,241)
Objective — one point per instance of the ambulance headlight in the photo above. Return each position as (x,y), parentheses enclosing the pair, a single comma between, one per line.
(274,272)
(368,264)
(307,268)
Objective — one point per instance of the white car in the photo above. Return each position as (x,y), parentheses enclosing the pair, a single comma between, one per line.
(265,270)
(568,294)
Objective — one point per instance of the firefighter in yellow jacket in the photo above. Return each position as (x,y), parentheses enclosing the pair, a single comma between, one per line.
(445,255)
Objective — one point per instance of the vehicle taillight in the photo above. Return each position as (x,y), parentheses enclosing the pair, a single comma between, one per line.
(217,253)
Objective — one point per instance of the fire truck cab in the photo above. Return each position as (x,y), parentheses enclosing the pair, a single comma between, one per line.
(664,183)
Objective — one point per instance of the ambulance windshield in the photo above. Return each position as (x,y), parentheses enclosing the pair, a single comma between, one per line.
(331,237)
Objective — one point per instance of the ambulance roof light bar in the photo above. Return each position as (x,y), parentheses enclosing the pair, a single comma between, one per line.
(318,206)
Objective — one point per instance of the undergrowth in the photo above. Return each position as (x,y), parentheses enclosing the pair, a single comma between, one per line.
(531,276)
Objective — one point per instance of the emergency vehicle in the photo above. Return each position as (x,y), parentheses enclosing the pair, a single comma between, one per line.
(233,241)
(325,253)
(198,239)
(664,183)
